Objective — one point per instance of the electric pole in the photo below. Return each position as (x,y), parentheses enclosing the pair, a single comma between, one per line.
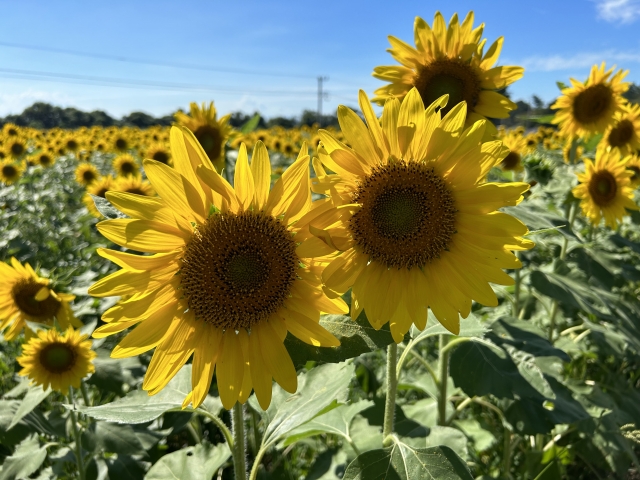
(321,97)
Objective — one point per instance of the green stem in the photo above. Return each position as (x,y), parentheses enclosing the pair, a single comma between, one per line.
(392,385)
(256,464)
(506,454)
(76,436)
(516,291)
(238,450)
(426,365)
(85,393)
(444,375)
(219,423)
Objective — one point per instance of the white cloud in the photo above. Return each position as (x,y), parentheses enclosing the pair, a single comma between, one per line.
(618,11)
(579,60)
(11,103)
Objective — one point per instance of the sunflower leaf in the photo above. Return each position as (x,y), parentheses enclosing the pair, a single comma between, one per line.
(251,124)
(191,463)
(105,207)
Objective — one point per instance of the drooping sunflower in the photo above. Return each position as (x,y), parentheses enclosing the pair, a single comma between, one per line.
(59,360)
(10,171)
(605,188)
(410,216)
(159,152)
(624,133)
(86,174)
(225,281)
(588,108)
(125,165)
(135,185)
(633,164)
(450,60)
(210,132)
(25,296)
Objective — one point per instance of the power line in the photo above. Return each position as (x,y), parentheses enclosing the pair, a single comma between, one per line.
(121,82)
(152,62)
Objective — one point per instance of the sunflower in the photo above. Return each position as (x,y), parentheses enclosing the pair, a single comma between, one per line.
(125,165)
(135,185)
(605,188)
(11,130)
(99,188)
(210,132)
(86,174)
(624,133)
(25,296)
(159,152)
(633,164)
(44,159)
(72,143)
(411,217)
(59,360)
(15,147)
(10,171)
(449,60)
(120,142)
(517,146)
(585,109)
(225,281)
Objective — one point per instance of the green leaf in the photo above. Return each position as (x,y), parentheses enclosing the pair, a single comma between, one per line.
(451,437)
(561,85)
(482,438)
(319,390)
(329,465)
(250,125)
(139,407)
(35,395)
(105,207)
(191,463)
(402,462)
(356,337)
(425,411)
(469,327)
(124,467)
(524,336)
(113,438)
(336,421)
(27,458)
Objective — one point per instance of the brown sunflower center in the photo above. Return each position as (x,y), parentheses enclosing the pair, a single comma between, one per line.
(238,269)
(161,157)
(121,144)
(136,191)
(88,175)
(45,159)
(58,357)
(621,134)
(448,76)
(24,295)
(72,145)
(17,149)
(603,188)
(511,161)
(407,215)
(9,171)
(592,104)
(210,139)
(127,167)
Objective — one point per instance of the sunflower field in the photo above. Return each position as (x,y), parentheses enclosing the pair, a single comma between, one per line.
(420,293)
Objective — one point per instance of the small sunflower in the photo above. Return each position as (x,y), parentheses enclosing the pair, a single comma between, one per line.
(624,133)
(449,60)
(86,174)
(159,152)
(11,130)
(633,164)
(10,171)
(125,165)
(44,159)
(588,108)
(135,185)
(59,360)
(120,142)
(15,147)
(25,296)
(410,216)
(225,281)
(517,146)
(210,132)
(605,188)
(72,143)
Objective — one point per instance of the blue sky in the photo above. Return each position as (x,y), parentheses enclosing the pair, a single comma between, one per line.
(297,40)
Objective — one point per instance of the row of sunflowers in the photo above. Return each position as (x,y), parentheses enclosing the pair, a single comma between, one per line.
(419,292)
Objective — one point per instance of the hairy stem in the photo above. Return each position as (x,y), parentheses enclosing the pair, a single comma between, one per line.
(392,385)
(76,436)
(238,450)
(443,354)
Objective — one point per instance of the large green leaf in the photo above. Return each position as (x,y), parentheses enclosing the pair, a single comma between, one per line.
(139,407)
(469,327)
(191,463)
(125,467)
(402,462)
(450,437)
(356,337)
(525,336)
(27,458)
(35,395)
(113,438)
(34,421)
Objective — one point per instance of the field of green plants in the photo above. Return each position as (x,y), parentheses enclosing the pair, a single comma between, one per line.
(540,382)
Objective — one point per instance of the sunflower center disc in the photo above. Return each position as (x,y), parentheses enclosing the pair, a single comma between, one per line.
(57,357)
(127,167)
(17,149)
(88,175)
(121,144)
(210,139)
(161,157)
(603,188)
(24,294)
(511,161)
(621,134)
(238,269)
(592,103)
(9,171)
(407,216)
(448,76)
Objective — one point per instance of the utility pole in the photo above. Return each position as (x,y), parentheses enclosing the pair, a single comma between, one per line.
(321,97)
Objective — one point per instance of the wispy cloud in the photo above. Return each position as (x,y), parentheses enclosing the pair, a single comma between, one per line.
(579,60)
(16,102)
(618,11)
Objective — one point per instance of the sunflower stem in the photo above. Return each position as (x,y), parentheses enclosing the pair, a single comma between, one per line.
(392,386)
(76,435)
(516,291)
(85,394)
(443,358)
(239,446)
